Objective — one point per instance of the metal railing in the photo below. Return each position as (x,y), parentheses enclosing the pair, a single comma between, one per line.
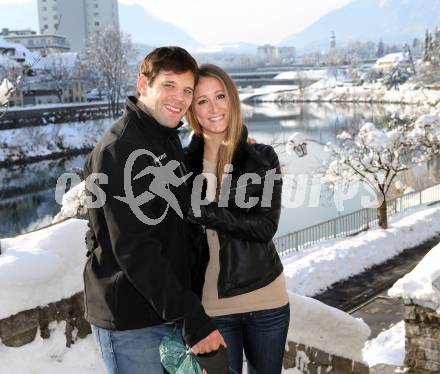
(352,223)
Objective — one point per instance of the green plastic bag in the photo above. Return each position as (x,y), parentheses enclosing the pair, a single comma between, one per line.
(176,358)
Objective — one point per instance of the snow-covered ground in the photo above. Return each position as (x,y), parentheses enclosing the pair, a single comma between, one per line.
(51,356)
(36,260)
(313,270)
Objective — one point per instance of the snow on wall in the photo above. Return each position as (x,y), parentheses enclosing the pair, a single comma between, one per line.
(417,284)
(331,330)
(42,267)
(387,348)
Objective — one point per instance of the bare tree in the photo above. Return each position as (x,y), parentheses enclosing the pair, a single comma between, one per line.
(105,64)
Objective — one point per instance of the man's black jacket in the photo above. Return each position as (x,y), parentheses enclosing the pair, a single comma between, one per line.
(140,274)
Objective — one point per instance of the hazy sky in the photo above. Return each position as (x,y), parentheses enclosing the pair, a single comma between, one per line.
(226,21)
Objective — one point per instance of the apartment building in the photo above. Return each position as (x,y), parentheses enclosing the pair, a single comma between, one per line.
(46,43)
(76,20)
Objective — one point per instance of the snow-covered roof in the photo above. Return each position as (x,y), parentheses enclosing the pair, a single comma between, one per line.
(4,43)
(67,59)
(21,52)
(391,59)
(7,62)
(417,285)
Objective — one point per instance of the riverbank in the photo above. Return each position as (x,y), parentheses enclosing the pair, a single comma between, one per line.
(33,144)
(332,91)
(48,142)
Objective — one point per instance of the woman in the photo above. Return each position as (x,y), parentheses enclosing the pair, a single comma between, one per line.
(244,287)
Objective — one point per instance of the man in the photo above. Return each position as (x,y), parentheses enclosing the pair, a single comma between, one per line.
(137,280)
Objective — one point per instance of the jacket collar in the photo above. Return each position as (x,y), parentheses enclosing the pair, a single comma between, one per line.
(145,122)
(195,152)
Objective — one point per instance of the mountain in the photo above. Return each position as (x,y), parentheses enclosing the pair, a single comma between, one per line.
(393,21)
(150,30)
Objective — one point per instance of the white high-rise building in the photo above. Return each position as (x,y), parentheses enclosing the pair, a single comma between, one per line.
(77,19)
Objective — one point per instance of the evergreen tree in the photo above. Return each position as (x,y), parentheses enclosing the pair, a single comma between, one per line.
(426,47)
(380,49)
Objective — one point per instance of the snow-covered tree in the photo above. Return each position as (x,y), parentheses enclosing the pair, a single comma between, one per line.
(6,90)
(10,75)
(105,64)
(427,46)
(396,76)
(428,71)
(59,72)
(376,156)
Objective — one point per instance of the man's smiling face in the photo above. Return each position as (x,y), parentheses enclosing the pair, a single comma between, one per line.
(169,97)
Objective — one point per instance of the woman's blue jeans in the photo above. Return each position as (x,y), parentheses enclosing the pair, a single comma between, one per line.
(132,351)
(261,334)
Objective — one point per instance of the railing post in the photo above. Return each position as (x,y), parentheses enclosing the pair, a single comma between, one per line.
(334,228)
(296,240)
(420,197)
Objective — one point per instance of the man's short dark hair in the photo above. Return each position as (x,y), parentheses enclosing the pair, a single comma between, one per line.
(175,59)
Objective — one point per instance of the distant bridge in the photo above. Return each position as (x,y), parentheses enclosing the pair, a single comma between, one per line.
(264,78)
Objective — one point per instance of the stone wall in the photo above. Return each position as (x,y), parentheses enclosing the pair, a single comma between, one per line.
(314,361)
(422,340)
(21,328)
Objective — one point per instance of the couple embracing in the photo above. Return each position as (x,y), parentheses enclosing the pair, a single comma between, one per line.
(159,264)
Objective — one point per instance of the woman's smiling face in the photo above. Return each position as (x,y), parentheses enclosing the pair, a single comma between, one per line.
(211,105)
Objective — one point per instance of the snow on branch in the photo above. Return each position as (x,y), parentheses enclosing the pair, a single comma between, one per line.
(375,156)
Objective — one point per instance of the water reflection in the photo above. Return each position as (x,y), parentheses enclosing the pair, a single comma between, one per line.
(27,194)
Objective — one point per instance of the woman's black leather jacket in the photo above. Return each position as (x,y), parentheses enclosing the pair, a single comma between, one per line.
(248,258)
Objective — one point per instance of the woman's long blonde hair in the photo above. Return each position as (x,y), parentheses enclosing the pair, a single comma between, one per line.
(235,123)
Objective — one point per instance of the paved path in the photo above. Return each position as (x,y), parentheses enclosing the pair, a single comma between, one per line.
(365,295)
